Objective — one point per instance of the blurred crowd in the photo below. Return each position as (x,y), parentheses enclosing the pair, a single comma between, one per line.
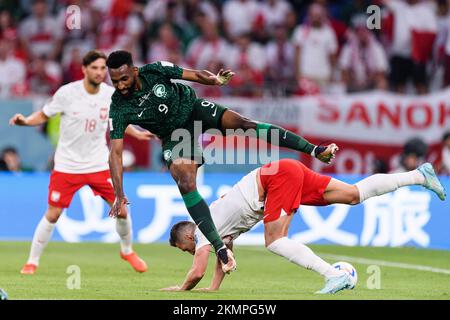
(276,47)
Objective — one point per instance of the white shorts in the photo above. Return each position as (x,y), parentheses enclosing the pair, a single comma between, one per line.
(233,213)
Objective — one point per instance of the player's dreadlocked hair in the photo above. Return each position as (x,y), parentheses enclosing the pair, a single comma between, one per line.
(178,230)
(118,58)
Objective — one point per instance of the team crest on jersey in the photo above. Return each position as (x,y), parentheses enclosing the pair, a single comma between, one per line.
(103,113)
(167,155)
(159,90)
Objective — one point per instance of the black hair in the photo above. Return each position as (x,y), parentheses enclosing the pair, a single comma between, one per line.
(118,58)
(8,149)
(91,56)
(177,231)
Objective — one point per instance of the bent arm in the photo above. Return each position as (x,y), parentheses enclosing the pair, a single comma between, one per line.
(34,119)
(131,130)
(116,167)
(198,268)
(218,273)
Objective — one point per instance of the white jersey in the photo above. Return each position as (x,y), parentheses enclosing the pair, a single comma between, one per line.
(236,212)
(82,144)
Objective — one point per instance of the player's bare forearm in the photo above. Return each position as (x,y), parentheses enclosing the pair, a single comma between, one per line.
(217,277)
(139,134)
(207,77)
(34,119)
(116,167)
(218,273)
(198,268)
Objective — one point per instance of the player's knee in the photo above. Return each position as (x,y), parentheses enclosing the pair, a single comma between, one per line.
(53,214)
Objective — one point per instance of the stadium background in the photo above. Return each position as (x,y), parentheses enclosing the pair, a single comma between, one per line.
(311,66)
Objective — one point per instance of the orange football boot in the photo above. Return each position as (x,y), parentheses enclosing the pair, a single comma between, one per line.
(137,263)
(29,268)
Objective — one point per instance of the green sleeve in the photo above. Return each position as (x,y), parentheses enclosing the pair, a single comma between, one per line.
(117,125)
(163,68)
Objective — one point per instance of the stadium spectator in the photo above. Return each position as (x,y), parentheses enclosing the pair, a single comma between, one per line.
(444,163)
(239,17)
(159,12)
(280,75)
(10,160)
(195,7)
(414,32)
(362,61)
(246,51)
(72,69)
(161,48)
(273,13)
(12,70)
(443,21)
(44,76)
(209,46)
(316,47)
(120,27)
(40,34)
(413,155)
(82,38)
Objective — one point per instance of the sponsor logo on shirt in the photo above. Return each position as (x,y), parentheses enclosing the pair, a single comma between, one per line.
(144,98)
(159,90)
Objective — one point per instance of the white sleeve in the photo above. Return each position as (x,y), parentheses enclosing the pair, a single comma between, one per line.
(297,36)
(381,62)
(332,43)
(344,58)
(200,239)
(56,104)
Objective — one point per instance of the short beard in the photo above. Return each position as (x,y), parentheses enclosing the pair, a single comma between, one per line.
(94,84)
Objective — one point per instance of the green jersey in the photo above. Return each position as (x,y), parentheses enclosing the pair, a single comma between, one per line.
(160,107)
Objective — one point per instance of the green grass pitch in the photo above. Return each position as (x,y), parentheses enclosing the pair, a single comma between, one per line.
(260,274)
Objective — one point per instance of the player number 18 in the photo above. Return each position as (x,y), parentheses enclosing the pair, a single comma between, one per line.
(90,125)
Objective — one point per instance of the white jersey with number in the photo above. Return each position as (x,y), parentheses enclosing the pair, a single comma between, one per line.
(236,212)
(82,144)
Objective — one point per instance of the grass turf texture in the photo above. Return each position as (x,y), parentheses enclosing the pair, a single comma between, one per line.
(260,274)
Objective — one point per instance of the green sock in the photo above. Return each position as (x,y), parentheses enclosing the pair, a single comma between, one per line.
(286,138)
(199,211)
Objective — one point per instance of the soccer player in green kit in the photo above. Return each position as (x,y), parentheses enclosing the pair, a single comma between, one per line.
(147,97)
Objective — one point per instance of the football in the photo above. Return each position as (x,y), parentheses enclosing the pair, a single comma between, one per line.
(347,267)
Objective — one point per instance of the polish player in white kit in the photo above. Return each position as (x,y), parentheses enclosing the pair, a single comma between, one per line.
(81,156)
(273,193)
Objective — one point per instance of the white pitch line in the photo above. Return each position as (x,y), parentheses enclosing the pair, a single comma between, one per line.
(384,263)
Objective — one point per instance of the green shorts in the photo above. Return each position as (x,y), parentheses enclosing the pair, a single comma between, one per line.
(184,142)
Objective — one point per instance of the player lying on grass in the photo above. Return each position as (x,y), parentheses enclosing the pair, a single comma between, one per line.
(81,156)
(148,97)
(273,193)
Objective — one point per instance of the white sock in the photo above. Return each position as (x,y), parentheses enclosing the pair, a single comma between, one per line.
(303,256)
(123,228)
(379,184)
(42,236)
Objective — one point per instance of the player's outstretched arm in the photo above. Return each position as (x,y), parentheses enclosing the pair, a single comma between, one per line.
(35,119)
(196,272)
(207,77)
(116,169)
